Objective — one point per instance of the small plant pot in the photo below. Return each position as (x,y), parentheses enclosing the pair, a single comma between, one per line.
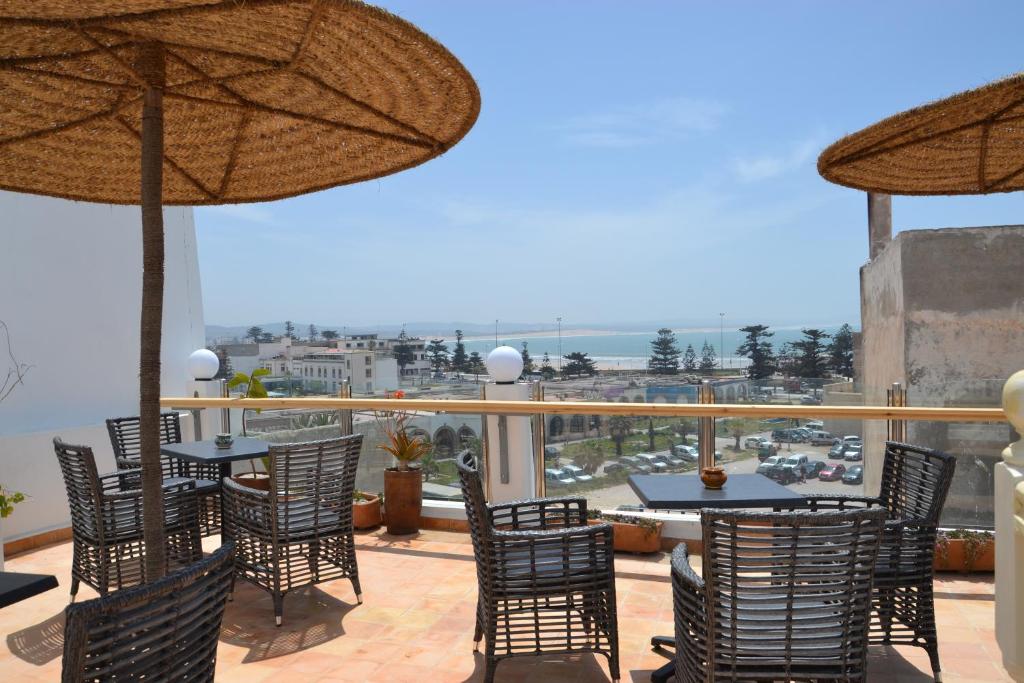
(954,557)
(254,480)
(366,514)
(403,490)
(713,477)
(633,538)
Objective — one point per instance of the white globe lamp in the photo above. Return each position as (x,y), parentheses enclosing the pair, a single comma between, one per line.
(504,364)
(203,365)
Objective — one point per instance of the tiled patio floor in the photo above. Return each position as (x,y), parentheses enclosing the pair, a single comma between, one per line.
(416,624)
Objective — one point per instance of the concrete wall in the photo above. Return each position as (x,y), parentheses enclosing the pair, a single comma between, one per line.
(70,279)
(943,313)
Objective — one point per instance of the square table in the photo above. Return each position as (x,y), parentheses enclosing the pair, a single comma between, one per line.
(15,587)
(207,453)
(687,492)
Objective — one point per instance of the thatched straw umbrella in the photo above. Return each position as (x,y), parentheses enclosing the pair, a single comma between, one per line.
(970,143)
(198,102)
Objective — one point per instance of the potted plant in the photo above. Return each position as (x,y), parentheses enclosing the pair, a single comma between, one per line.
(366,510)
(8,499)
(253,389)
(965,550)
(403,484)
(631,534)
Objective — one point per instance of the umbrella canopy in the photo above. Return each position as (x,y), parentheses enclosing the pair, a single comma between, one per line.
(210,102)
(970,143)
(262,99)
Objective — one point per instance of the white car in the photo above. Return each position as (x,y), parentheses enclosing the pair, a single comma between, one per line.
(576,472)
(685,452)
(754,442)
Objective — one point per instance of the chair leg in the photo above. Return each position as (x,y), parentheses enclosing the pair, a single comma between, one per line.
(313,559)
(278,607)
(75,581)
(926,629)
(492,664)
(613,663)
(357,589)
(884,599)
(478,631)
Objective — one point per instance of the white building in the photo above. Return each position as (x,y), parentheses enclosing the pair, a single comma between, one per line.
(420,365)
(324,370)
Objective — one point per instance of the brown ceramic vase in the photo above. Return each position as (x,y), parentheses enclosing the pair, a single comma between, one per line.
(713,477)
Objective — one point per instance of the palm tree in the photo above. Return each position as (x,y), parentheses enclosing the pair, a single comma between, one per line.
(619,427)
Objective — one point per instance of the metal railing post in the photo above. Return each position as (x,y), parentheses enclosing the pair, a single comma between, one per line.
(485,449)
(345,416)
(705,428)
(896,397)
(225,413)
(539,483)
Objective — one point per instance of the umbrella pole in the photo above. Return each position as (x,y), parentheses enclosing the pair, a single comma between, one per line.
(151,66)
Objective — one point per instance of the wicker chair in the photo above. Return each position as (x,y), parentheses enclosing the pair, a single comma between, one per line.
(915,482)
(124,439)
(166,630)
(106,523)
(546,579)
(299,532)
(784,596)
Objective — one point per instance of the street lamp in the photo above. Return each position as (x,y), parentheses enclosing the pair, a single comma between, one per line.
(559,345)
(721,341)
(203,366)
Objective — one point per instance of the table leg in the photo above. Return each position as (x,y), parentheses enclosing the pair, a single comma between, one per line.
(225,472)
(666,671)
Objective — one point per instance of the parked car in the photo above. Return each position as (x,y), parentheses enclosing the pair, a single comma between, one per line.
(613,467)
(550,452)
(752,443)
(798,462)
(836,451)
(820,438)
(832,471)
(558,477)
(809,401)
(849,440)
(766,451)
(788,436)
(854,453)
(685,452)
(770,463)
(815,425)
(782,474)
(814,468)
(671,460)
(854,475)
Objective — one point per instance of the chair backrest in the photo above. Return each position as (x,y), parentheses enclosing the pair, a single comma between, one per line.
(126,440)
(476,511)
(78,466)
(915,482)
(320,474)
(166,628)
(788,592)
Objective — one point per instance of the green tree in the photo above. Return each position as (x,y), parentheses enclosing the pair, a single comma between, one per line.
(459,358)
(437,350)
(650,433)
(708,360)
(759,350)
(579,364)
(312,332)
(289,329)
(266,338)
(840,352)
(591,459)
(254,333)
(475,364)
(811,351)
(329,335)
(527,362)
(619,427)
(787,361)
(547,371)
(403,352)
(690,359)
(664,354)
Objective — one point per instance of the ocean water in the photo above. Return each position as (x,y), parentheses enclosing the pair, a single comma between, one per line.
(629,350)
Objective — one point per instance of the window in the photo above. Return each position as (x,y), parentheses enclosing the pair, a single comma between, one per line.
(369,372)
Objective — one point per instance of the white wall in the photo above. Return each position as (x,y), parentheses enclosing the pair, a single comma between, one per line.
(70,280)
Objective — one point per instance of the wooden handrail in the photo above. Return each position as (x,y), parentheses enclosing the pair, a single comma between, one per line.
(600,408)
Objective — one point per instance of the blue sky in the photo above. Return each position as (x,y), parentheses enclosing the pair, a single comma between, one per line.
(632,162)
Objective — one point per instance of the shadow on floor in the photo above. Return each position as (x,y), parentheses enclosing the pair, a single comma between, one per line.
(40,643)
(311,618)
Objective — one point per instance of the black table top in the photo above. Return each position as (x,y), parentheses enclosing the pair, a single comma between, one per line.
(206,452)
(687,492)
(16,587)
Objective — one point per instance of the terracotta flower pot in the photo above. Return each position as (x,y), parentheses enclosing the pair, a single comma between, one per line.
(633,538)
(955,557)
(403,491)
(366,514)
(254,480)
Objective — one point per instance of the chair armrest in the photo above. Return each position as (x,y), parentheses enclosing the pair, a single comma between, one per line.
(112,485)
(246,510)
(539,513)
(682,570)
(815,502)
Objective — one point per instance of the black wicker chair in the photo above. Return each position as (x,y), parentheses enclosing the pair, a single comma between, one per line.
(546,579)
(106,523)
(299,532)
(784,596)
(125,439)
(915,482)
(165,630)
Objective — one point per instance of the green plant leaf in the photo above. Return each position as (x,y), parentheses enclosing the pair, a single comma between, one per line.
(239,378)
(260,372)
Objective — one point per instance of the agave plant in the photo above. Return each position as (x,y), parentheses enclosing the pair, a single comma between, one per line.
(405,448)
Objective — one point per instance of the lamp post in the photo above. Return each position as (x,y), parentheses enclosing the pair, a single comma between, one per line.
(510,455)
(203,366)
(721,341)
(559,319)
